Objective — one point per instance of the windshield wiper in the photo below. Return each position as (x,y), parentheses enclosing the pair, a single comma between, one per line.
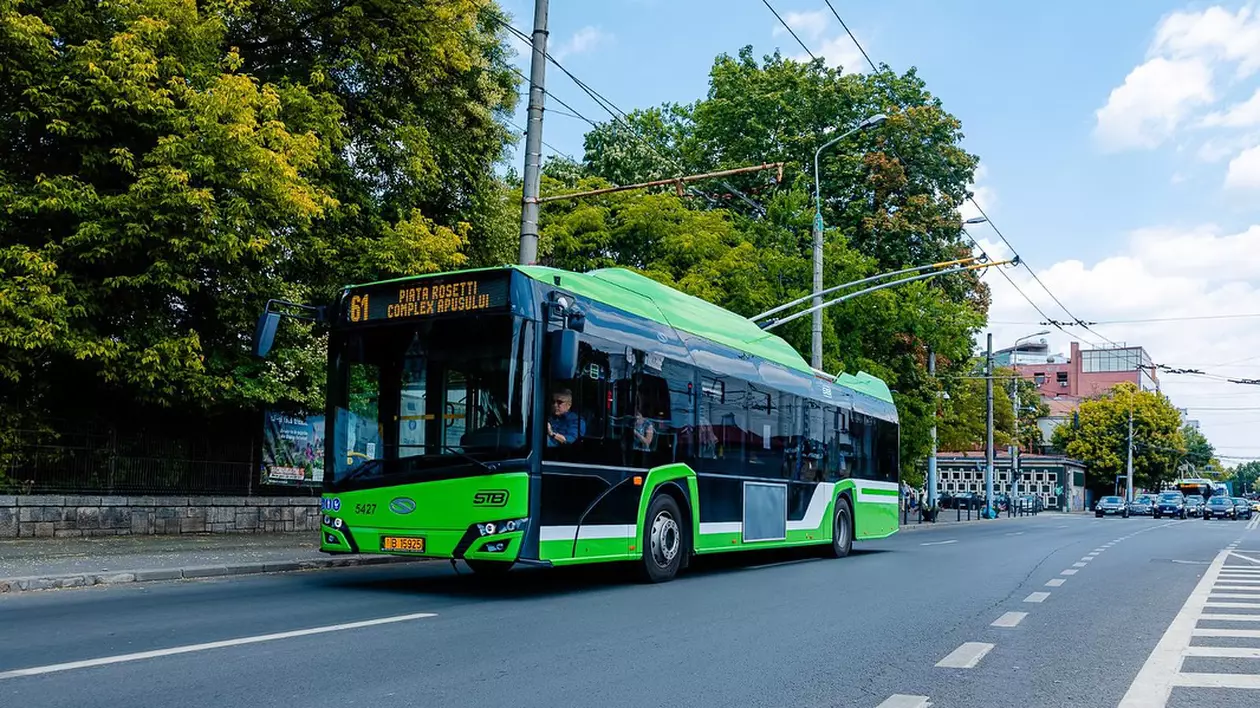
(466,456)
(362,469)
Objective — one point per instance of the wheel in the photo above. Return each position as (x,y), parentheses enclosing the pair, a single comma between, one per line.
(490,568)
(1099,514)
(1157,516)
(841,530)
(1124,514)
(1183,514)
(664,540)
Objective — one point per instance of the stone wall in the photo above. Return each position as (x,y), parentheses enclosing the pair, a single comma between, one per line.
(63,516)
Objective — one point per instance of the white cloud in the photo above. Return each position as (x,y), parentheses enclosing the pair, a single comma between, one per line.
(584,40)
(1154,100)
(1244,170)
(813,28)
(807,25)
(1214,33)
(983,194)
(1186,70)
(1161,272)
(1239,115)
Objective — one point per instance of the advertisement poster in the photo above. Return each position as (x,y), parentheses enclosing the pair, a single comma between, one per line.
(293,449)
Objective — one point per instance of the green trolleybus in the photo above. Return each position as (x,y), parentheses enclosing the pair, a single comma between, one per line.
(528,415)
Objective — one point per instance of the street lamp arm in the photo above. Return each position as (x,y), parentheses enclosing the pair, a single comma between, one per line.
(863,281)
(959,269)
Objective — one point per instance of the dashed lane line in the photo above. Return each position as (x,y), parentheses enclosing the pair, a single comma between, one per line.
(967,656)
(120,658)
(1055,582)
(1010,619)
(1070,571)
(901,700)
(939,543)
(1037,597)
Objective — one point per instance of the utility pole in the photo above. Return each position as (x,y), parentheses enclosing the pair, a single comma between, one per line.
(1129,466)
(1015,449)
(931,480)
(988,450)
(533,138)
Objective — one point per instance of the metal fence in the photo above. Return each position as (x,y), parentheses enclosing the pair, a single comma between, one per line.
(199,457)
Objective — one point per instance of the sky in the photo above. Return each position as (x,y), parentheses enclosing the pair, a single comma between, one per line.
(1119,147)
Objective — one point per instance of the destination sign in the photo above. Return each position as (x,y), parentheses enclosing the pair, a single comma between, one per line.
(426,298)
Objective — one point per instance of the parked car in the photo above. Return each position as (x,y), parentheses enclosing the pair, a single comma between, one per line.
(1194,505)
(1220,508)
(1242,508)
(1170,504)
(1111,506)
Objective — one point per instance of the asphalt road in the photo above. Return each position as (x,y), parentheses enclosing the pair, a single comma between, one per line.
(912,616)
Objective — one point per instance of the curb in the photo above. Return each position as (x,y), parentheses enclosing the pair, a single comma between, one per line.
(118,577)
(914,526)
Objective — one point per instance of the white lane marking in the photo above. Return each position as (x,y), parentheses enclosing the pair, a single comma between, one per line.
(939,543)
(1239,579)
(1245,557)
(1235,605)
(901,700)
(1014,533)
(1236,595)
(1230,618)
(1089,557)
(1217,680)
(138,656)
(1037,597)
(1241,570)
(1245,633)
(1010,619)
(1246,588)
(1154,681)
(965,656)
(1070,571)
(1079,565)
(1224,652)
(1055,582)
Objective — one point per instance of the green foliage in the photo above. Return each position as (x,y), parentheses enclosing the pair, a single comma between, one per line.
(1199,452)
(885,214)
(168,165)
(963,414)
(1100,438)
(1245,477)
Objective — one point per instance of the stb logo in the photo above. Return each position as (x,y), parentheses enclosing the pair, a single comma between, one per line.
(402,505)
(491,497)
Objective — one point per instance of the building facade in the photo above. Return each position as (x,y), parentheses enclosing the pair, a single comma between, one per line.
(1057,479)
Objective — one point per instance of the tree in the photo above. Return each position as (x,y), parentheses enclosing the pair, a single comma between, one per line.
(168,165)
(1199,452)
(962,425)
(1245,477)
(890,199)
(1100,437)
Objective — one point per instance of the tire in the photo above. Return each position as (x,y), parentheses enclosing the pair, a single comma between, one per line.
(1183,514)
(488,568)
(665,541)
(1124,514)
(841,530)
(1099,514)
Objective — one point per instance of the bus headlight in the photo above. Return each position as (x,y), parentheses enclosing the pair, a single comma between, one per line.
(506,526)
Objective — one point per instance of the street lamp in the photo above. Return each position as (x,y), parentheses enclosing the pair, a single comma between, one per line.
(1015,406)
(976,220)
(816,334)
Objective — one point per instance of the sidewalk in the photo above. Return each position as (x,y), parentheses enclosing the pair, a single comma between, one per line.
(40,564)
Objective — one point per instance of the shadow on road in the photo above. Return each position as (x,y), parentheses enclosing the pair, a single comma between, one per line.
(439,578)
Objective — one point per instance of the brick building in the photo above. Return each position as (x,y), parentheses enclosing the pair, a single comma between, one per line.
(1084,373)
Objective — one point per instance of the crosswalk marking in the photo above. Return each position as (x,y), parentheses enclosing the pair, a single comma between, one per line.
(1223,587)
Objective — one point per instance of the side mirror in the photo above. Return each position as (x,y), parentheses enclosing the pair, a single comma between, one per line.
(265,333)
(564,354)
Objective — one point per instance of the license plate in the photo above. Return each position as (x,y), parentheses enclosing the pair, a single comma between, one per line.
(406,544)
